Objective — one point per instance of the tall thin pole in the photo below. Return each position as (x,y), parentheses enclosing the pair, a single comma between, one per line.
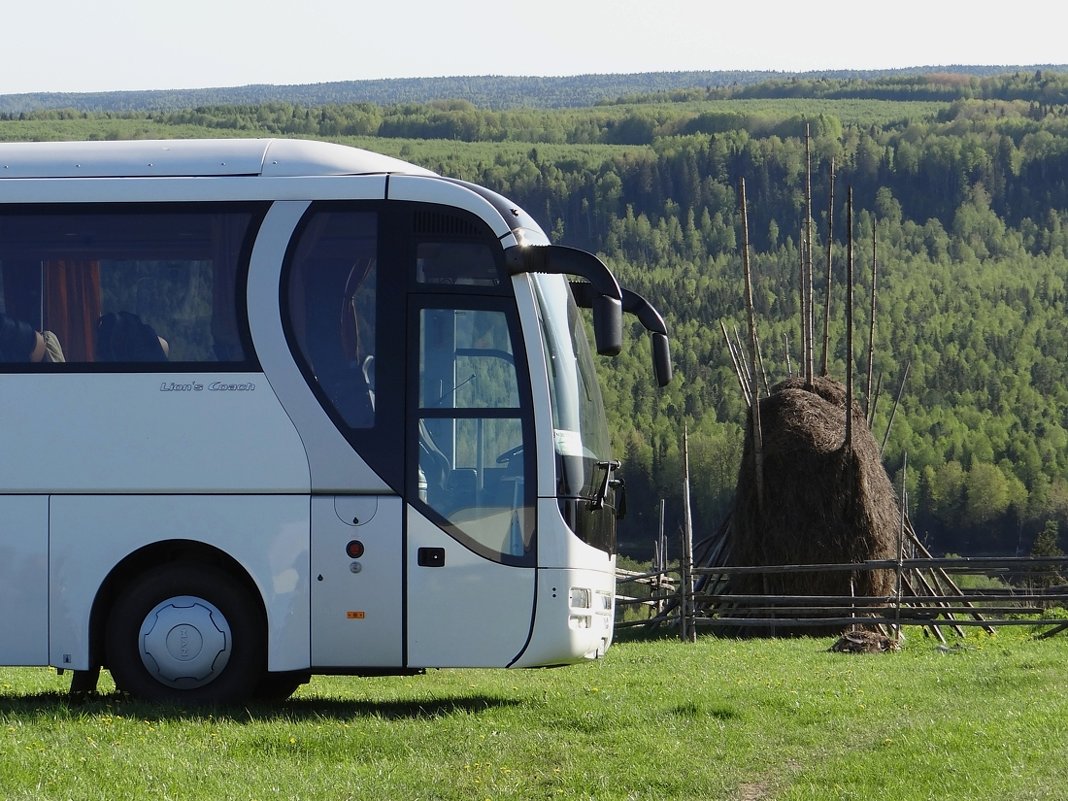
(807,272)
(687,628)
(830,276)
(750,370)
(875,400)
(763,372)
(743,382)
(871,333)
(803,301)
(662,536)
(754,407)
(901,550)
(661,559)
(849,327)
(893,410)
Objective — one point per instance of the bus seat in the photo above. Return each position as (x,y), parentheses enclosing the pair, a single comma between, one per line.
(433,462)
(125,337)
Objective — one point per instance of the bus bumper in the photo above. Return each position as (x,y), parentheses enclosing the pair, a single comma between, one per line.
(573,618)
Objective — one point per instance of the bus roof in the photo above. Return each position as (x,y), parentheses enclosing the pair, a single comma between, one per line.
(145,158)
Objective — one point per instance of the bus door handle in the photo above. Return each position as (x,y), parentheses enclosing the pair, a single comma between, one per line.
(431,557)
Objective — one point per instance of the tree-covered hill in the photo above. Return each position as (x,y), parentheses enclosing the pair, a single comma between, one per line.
(485,91)
(963,179)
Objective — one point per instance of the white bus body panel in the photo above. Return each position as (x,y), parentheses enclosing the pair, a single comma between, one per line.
(470,612)
(357,604)
(154,158)
(148,432)
(24,579)
(266,534)
(335,466)
(563,633)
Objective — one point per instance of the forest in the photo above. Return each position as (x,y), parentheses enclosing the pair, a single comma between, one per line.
(961,182)
(485,91)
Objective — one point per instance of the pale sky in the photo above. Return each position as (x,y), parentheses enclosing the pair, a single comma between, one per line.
(108,45)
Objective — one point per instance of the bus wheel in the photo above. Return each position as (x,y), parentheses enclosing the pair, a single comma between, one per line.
(185,632)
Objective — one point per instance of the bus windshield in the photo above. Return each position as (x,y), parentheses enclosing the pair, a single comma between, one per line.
(580,432)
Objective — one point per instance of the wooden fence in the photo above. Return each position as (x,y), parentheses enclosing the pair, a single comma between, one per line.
(1015,591)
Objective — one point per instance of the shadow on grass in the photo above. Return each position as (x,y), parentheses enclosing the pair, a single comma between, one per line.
(54,704)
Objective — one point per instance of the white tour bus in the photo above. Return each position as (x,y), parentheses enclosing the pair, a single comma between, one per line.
(276,408)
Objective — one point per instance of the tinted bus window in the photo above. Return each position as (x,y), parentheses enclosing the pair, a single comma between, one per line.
(332,310)
(115,285)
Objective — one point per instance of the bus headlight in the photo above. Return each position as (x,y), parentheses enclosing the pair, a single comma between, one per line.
(580,598)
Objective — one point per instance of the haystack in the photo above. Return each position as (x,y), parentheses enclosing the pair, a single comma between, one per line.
(822,502)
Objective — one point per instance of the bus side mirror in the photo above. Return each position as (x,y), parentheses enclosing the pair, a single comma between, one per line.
(633,303)
(650,318)
(602,293)
(607,325)
(661,358)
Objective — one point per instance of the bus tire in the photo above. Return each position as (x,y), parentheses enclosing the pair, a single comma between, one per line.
(186,632)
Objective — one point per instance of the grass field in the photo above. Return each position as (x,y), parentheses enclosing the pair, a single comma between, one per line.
(654,720)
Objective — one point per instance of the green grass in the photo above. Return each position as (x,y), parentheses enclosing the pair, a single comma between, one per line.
(655,720)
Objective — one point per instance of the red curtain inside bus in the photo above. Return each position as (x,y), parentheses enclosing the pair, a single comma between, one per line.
(72,305)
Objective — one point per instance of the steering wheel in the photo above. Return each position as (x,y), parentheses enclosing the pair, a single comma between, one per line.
(509,454)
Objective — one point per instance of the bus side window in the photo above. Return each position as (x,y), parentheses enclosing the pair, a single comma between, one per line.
(126,284)
(332,310)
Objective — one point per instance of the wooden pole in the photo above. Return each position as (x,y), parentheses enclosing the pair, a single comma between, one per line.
(849,328)
(830,276)
(661,559)
(875,400)
(871,332)
(742,382)
(901,551)
(662,538)
(802,364)
(750,375)
(687,627)
(763,372)
(802,300)
(807,272)
(758,439)
(893,410)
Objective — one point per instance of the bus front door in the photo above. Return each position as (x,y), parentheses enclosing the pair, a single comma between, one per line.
(470,552)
